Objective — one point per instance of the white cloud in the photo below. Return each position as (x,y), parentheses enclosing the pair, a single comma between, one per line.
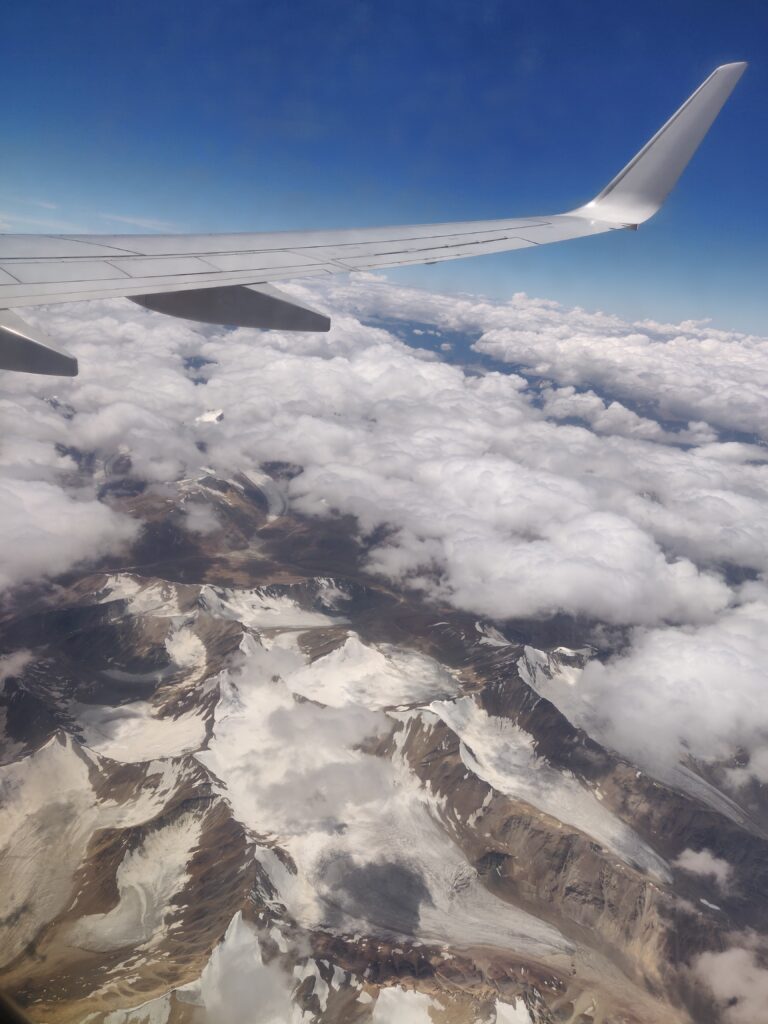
(686,371)
(200,518)
(507,499)
(704,862)
(614,418)
(739,981)
(515,515)
(46,530)
(684,690)
(358,828)
(672,367)
(491,498)
(13,664)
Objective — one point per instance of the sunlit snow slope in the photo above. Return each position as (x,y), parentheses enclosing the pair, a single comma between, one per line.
(301,796)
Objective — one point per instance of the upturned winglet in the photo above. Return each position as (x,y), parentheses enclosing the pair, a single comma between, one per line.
(638,191)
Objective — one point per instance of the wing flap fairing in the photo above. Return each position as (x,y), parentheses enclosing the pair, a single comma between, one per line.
(238,306)
(30,350)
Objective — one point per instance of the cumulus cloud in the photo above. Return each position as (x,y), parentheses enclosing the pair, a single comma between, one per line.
(13,664)
(491,505)
(612,417)
(58,434)
(685,691)
(668,368)
(704,862)
(604,476)
(738,977)
(509,496)
(200,518)
(45,530)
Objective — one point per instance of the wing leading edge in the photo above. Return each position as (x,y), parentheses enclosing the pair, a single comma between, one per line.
(225,278)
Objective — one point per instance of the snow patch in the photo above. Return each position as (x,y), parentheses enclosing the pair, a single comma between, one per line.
(257,609)
(548,674)
(503,755)
(134,732)
(156,597)
(491,636)
(210,416)
(147,880)
(374,677)
(50,812)
(512,1013)
(368,848)
(712,906)
(237,985)
(397,1005)
(156,1011)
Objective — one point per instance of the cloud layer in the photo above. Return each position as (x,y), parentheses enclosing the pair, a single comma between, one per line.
(507,495)
(603,469)
(738,979)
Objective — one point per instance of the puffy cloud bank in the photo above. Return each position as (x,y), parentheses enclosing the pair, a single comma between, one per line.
(686,371)
(608,470)
(601,479)
(45,529)
(703,862)
(680,692)
(738,978)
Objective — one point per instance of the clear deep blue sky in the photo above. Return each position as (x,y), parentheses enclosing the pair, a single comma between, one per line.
(248,115)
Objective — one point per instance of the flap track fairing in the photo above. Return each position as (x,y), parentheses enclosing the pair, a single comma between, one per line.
(30,350)
(238,306)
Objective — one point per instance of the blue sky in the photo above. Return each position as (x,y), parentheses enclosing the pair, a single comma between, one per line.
(248,116)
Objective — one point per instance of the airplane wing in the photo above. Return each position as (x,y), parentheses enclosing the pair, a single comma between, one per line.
(227,279)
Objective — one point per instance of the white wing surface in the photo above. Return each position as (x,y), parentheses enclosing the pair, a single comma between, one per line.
(226,278)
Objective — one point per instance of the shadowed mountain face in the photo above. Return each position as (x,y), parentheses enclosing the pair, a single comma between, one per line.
(242,779)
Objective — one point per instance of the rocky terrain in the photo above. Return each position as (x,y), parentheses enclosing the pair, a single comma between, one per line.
(244,780)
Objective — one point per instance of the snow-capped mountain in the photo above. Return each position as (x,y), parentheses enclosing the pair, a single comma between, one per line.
(243,780)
